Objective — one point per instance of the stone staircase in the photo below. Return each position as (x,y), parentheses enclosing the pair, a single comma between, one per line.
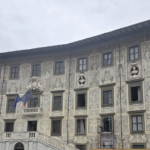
(49,141)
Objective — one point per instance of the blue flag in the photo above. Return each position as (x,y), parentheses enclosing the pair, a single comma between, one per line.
(25,98)
(17,100)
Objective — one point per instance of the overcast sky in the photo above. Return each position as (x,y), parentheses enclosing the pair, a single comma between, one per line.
(27,24)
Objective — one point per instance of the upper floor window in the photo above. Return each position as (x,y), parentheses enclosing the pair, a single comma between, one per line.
(107,59)
(57,102)
(33,103)
(107,97)
(56,127)
(134,53)
(59,67)
(32,125)
(9,126)
(10,106)
(137,123)
(14,72)
(82,64)
(36,70)
(81,126)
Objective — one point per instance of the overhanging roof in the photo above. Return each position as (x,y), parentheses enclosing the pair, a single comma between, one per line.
(143,26)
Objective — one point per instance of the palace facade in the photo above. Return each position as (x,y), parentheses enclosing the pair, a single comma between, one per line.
(93,93)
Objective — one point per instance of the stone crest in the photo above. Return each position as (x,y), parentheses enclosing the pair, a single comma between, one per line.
(35,84)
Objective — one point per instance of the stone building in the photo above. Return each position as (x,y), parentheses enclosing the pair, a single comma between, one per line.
(84,77)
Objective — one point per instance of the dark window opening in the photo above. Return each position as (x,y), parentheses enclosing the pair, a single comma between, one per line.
(82,64)
(80,147)
(107,97)
(14,72)
(10,107)
(134,53)
(107,59)
(57,102)
(107,124)
(33,103)
(135,93)
(32,125)
(56,127)
(59,67)
(137,123)
(81,100)
(81,126)
(138,147)
(9,126)
(19,146)
(36,70)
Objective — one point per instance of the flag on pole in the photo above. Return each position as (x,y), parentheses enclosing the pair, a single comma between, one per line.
(17,100)
(25,98)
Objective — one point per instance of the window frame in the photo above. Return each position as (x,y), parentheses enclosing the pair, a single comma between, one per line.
(10,97)
(86,64)
(33,64)
(128,51)
(143,123)
(54,68)
(81,92)
(35,96)
(28,125)
(54,95)
(144,144)
(79,118)
(106,116)
(56,119)
(104,89)
(135,84)
(9,121)
(14,66)
(81,144)
(102,58)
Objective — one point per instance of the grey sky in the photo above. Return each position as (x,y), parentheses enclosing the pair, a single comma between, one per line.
(36,23)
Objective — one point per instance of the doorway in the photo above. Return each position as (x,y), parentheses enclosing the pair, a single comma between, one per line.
(19,146)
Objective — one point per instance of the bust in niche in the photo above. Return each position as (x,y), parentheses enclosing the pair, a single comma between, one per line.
(134,71)
(81,80)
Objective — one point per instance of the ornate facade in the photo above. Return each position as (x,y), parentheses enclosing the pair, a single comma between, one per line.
(76,77)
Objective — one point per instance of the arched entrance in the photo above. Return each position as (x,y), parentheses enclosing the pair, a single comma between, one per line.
(19,146)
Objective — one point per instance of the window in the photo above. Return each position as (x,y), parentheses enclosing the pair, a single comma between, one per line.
(19,146)
(107,59)
(57,102)
(59,67)
(33,103)
(82,64)
(10,106)
(107,124)
(137,123)
(9,126)
(81,126)
(134,53)
(36,70)
(107,97)
(81,147)
(32,125)
(56,127)
(135,94)
(138,146)
(14,72)
(81,100)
